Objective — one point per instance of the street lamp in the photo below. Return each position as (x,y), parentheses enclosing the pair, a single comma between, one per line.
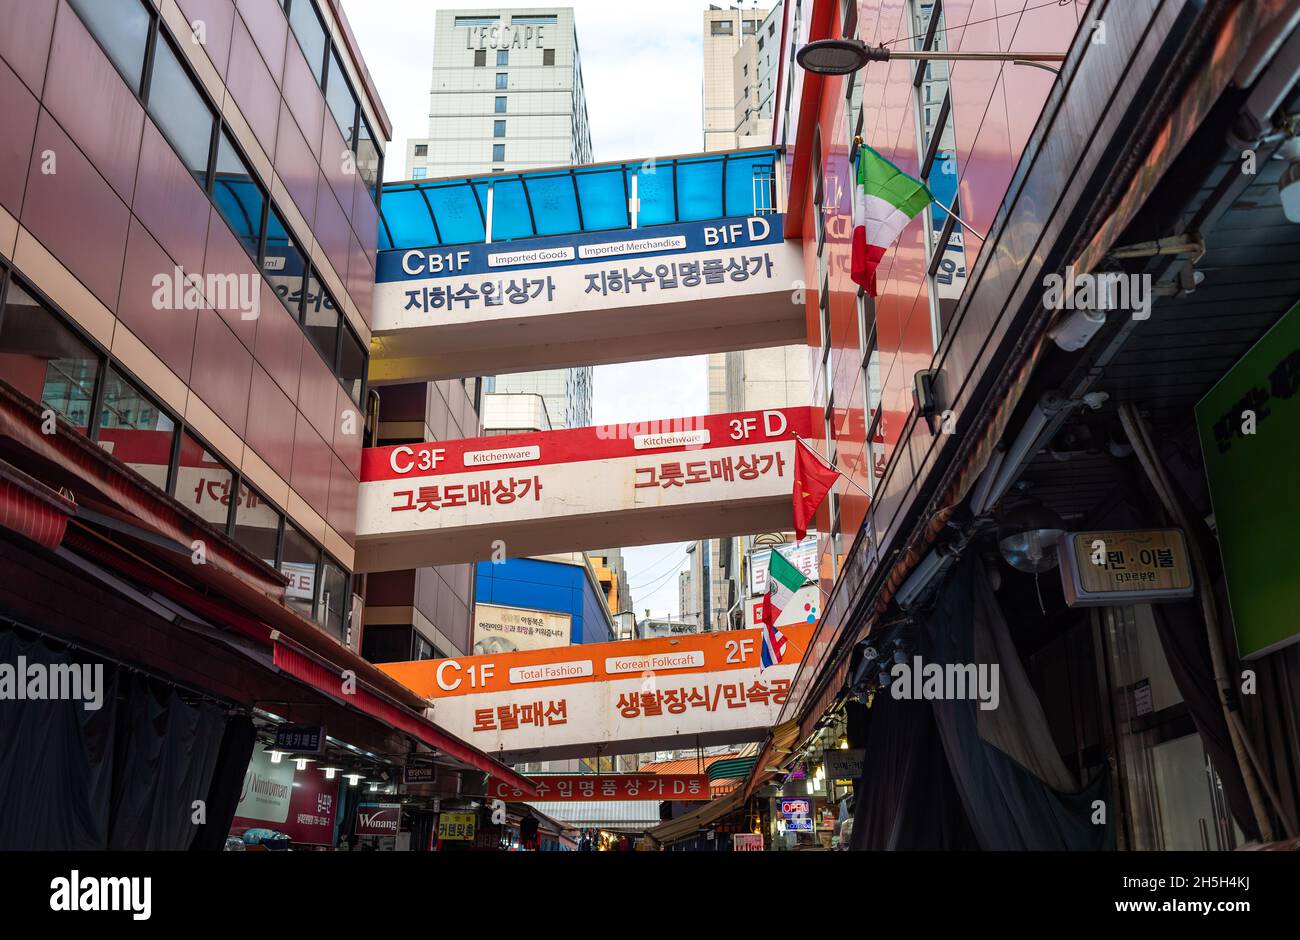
(844,56)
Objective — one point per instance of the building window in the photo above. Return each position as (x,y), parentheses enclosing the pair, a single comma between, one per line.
(419,172)
(548,57)
(299,562)
(503,58)
(720,28)
(546,19)
(321,319)
(501,80)
(238,196)
(749,26)
(181,111)
(421,150)
(501,104)
(284,264)
(122,28)
(135,430)
(342,101)
(352,365)
(257,524)
(477,21)
(45,360)
(498,153)
(480,57)
(334,600)
(498,128)
(204,483)
(311,33)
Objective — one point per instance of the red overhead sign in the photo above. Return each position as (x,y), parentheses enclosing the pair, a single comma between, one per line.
(581,787)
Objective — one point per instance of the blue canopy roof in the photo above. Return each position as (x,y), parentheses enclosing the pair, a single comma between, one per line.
(568,200)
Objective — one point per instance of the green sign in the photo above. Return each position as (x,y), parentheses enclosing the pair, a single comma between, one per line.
(1250,437)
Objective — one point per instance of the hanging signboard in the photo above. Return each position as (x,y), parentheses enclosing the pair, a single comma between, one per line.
(457,827)
(300,739)
(584,787)
(439,503)
(845,764)
(595,297)
(1134,566)
(1249,426)
(378,819)
(630,696)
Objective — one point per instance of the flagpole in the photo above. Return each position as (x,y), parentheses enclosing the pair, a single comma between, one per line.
(966,225)
(847,479)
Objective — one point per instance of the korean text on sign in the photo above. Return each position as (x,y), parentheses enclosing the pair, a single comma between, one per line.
(451,495)
(679,473)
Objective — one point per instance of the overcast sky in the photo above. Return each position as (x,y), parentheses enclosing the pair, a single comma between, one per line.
(643,75)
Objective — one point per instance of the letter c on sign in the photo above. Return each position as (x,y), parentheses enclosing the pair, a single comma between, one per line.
(442,683)
(398,452)
(406,263)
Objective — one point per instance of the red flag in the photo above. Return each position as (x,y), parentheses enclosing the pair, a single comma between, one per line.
(812,481)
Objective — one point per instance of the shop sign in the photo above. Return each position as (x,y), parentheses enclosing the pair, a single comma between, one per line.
(746,842)
(378,819)
(584,787)
(1249,426)
(799,824)
(456,827)
(419,774)
(795,807)
(300,739)
(845,764)
(1133,566)
(299,803)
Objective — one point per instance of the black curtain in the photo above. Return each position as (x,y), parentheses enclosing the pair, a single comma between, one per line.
(905,798)
(1009,806)
(227,783)
(122,776)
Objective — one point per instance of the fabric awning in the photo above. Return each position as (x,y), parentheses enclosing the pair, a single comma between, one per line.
(677,829)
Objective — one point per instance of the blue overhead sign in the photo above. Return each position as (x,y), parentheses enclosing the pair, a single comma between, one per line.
(500,258)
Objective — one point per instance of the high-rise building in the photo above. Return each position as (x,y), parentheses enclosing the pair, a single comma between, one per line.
(740,59)
(567,392)
(506,94)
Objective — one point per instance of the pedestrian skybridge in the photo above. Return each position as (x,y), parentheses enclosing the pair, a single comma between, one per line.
(557,491)
(583,265)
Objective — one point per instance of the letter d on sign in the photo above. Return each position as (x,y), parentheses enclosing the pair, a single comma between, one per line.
(771,427)
(758,228)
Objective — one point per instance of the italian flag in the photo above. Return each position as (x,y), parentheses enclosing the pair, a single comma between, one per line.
(783,580)
(885,199)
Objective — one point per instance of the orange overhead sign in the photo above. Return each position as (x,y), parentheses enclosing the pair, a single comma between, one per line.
(592,662)
(609,698)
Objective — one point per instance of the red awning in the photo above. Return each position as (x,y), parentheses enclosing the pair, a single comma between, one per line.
(233,587)
(31,508)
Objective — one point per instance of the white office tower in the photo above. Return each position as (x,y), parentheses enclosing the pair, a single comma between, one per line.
(507,94)
(741,55)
